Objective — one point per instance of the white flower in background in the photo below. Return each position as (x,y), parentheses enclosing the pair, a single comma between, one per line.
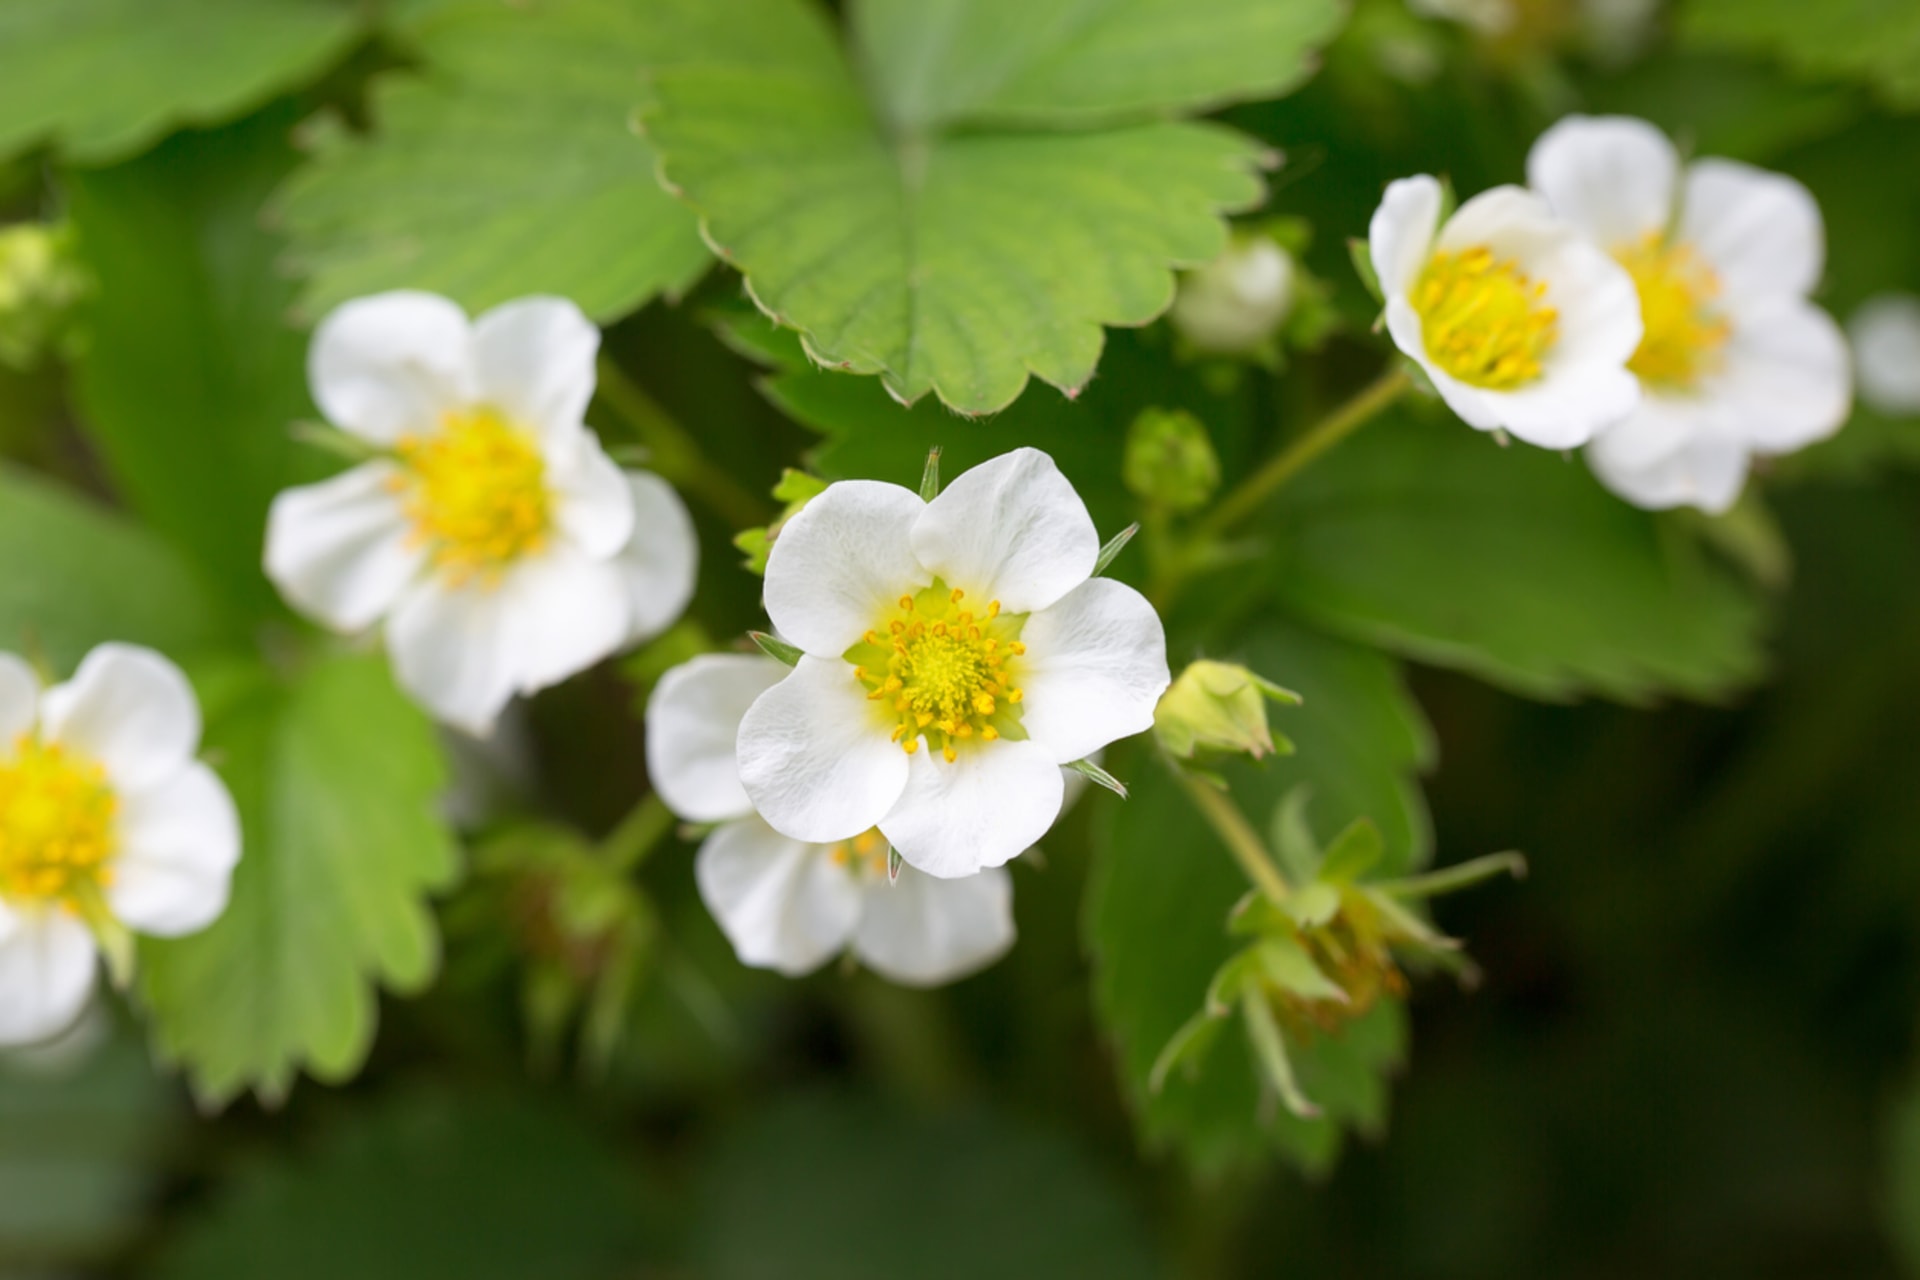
(1886,353)
(108,826)
(501,545)
(789,905)
(1521,324)
(956,654)
(1488,17)
(1734,361)
(1232,305)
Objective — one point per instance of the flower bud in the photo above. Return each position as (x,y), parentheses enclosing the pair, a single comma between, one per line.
(1169,460)
(40,281)
(1886,353)
(1235,303)
(1219,707)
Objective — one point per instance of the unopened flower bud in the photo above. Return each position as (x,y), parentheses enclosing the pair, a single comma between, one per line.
(1235,303)
(1886,353)
(1169,460)
(40,281)
(1219,707)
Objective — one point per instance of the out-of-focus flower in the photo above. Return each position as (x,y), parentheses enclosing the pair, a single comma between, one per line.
(1886,353)
(1169,461)
(969,626)
(788,905)
(1522,325)
(40,281)
(501,546)
(1234,304)
(1488,17)
(1734,360)
(108,827)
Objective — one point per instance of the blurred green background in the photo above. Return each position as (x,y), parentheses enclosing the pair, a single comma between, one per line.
(1692,1052)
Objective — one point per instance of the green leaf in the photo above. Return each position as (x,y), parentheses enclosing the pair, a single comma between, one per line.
(1009,179)
(1353,853)
(192,379)
(1162,887)
(338,779)
(505,165)
(100,79)
(73,575)
(422,1184)
(1874,41)
(818,1189)
(1511,564)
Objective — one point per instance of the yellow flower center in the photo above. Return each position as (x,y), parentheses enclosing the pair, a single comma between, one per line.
(942,672)
(864,855)
(1684,330)
(1484,321)
(476,494)
(56,826)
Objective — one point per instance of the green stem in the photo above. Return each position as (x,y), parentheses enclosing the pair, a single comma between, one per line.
(1462,875)
(673,452)
(1247,496)
(1218,808)
(645,825)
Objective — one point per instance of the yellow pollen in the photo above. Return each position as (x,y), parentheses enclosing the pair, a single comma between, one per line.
(56,826)
(476,494)
(944,672)
(865,854)
(1684,329)
(1483,320)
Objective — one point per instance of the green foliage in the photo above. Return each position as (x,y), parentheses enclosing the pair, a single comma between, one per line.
(1511,564)
(337,777)
(1875,41)
(101,79)
(823,1189)
(192,377)
(79,575)
(989,193)
(504,165)
(1163,875)
(424,1184)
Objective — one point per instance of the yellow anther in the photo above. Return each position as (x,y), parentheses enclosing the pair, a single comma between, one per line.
(906,603)
(57,818)
(475,493)
(957,594)
(942,668)
(989,733)
(911,745)
(1684,332)
(1484,321)
(949,753)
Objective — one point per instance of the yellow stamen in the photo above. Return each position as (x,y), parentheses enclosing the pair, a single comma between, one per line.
(475,493)
(57,820)
(1684,329)
(1483,320)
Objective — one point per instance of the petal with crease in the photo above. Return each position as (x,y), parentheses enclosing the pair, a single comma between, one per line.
(922,931)
(841,562)
(815,756)
(982,809)
(1011,529)
(1095,668)
(783,904)
(693,723)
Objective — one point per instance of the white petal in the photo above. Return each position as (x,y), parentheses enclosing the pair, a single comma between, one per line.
(983,809)
(1660,426)
(455,650)
(1515,222)
(533,361)
(1761,231)
(1708,472)
(572,612)
(593,504)
(1013,530)
(341,551)
(391,364)
(1470,403)
(662,560)
(693,723)
(783,904)
(1400,238)
(1095,668)
(19,700)
(1886,353)
(1612,177)
(1787,381)
(128,708)
(178,843)
(923,931)
(46,974)
(815,756)
(1566,410)
(839,564)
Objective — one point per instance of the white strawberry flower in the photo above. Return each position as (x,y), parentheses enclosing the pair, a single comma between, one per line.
(108,827)
(1885,332)
(502,548)
(1521,324)
(956,653)
(1735,361)
(789,905)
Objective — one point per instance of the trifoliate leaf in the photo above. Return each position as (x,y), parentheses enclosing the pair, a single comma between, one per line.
(504,165)
(423,1183)
(966,194)
(1868,40)
(73,575)
(1163,887)
(100,79)
(337,777)
(1511,564)
(193,378)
